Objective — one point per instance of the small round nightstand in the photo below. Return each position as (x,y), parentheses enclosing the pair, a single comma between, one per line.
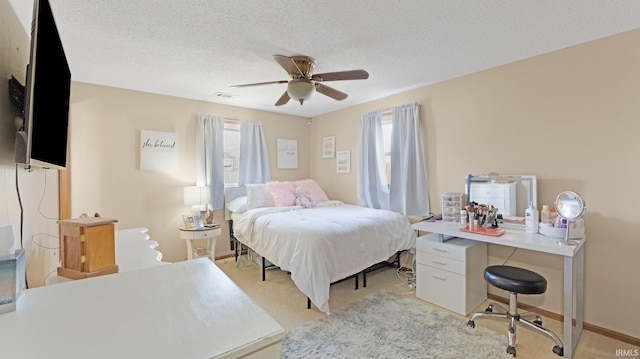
(208,235)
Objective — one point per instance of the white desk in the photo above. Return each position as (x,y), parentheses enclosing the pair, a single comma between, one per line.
(189,309)
(540,243)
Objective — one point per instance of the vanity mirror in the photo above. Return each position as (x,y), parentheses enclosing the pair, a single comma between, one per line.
(569,206)
(511,194)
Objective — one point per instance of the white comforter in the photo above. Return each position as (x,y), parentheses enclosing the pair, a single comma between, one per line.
(324,244)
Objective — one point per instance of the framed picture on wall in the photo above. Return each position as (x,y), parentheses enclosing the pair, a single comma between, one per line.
(328,147)
(343,161)
(158,151)
(287,153)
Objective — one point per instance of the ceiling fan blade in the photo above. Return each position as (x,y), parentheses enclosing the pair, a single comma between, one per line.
(331,92)
(288,64)
(283,99)
(260,84)
(342,75)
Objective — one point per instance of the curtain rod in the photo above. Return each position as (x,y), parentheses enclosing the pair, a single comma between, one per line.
(389,111)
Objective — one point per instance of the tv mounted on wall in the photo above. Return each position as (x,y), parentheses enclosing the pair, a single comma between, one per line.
(43,141)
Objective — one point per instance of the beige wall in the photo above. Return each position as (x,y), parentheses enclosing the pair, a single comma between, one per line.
(105,176)
(570,117)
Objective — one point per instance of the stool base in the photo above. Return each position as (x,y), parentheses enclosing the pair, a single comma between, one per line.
(513,317)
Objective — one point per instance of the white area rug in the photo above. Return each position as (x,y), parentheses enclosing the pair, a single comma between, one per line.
(389,325)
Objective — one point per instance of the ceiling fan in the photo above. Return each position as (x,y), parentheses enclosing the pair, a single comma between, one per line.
(304,83)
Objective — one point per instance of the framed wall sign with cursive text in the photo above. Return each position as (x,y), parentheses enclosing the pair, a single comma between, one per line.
(287,153)
(158,151)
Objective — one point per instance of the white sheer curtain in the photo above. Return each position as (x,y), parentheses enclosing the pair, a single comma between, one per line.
(210,157)
(408,192)
(254,158)
(372,182)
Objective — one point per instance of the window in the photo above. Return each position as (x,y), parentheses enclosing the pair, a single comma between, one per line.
(231,152)
(386,140)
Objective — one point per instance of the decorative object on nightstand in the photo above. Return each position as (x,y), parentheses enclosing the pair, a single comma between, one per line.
(87,247)
(201,242)
(192,221)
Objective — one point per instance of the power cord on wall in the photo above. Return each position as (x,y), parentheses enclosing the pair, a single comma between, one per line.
(39,209)
(26,282)
(509,257)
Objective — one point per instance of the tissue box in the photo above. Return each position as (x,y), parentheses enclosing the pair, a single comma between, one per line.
(12,280)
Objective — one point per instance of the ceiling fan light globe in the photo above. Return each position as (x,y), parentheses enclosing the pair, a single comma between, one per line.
(301,89)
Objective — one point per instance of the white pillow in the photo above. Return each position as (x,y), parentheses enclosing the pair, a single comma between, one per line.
(238,205)
(258,196)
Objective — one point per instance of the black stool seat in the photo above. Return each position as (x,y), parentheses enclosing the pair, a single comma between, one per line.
(515,280)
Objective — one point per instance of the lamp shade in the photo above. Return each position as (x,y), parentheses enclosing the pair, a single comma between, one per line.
(196,195)
(301,89)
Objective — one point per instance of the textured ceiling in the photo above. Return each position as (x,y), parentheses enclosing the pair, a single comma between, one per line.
(196,48)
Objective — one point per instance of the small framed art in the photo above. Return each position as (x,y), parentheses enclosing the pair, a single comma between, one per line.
(343,161)
(328,147)
(192,221)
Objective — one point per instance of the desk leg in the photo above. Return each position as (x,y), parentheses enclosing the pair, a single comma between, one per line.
(571,334)
(568,307)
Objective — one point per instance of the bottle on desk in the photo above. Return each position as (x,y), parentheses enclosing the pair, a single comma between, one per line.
(531,219)
(545,214)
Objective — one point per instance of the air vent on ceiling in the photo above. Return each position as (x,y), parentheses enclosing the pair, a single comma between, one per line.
(224,95)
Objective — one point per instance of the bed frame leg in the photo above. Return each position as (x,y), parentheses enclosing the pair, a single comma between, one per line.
(308,303)
(263,270)
(357,275)
(364,278)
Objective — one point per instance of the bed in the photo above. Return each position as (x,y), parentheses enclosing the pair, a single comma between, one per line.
(318,245)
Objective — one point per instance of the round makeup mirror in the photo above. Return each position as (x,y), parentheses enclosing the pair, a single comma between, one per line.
(570,206)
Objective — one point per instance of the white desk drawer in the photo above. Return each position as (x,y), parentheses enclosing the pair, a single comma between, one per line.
(444,263)
(442,288)
(488,191)
(455,248)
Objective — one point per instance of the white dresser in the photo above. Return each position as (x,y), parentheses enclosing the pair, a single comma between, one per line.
(500,195)
(189,309)
(450,274)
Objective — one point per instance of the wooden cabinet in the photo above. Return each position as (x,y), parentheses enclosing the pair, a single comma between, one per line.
(449,274)
(87,247)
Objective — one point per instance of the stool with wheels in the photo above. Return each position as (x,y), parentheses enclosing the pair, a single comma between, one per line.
(516,281)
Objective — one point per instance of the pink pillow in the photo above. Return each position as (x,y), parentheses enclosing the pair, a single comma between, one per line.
(283,193)
(313,190)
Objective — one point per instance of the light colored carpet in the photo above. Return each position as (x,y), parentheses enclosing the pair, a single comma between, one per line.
(388,325)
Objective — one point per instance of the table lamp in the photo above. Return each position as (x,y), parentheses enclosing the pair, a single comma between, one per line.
(197,197)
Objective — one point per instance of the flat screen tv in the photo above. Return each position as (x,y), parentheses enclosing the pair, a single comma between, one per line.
(43,142)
